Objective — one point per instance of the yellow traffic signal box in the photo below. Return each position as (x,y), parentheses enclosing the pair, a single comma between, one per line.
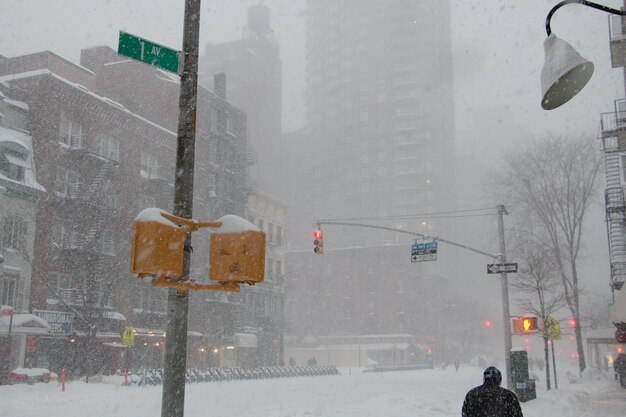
(237,252)
(157,245)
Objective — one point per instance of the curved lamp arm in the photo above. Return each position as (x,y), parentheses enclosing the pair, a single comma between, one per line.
(584,3)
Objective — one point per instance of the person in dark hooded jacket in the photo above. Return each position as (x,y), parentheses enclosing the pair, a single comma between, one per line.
(491,400)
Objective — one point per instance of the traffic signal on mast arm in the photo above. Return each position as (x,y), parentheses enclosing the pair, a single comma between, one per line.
(318,241)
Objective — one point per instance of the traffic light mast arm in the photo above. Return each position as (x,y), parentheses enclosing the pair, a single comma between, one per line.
(437,239)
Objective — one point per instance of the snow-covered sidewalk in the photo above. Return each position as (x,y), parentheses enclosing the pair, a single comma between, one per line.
(422,393)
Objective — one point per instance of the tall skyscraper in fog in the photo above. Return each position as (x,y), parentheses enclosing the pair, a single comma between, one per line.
(379,144)
(380,110)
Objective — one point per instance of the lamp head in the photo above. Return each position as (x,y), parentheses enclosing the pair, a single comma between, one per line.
(564,73)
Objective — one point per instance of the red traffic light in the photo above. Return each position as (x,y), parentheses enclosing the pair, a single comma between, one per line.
(488,323)
(318,241)
(572,323)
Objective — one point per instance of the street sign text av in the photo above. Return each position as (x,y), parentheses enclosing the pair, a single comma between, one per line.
(148,52)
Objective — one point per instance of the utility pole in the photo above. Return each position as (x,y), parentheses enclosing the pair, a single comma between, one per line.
(175,369)
(506,315)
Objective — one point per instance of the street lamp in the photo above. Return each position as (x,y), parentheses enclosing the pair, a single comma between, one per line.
(565,72)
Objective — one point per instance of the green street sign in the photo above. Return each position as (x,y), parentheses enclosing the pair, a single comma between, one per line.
(148,52)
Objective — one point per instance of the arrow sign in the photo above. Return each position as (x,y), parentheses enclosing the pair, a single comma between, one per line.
(499,268)
(425,251)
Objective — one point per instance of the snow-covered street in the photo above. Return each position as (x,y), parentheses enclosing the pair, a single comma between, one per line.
(415,393)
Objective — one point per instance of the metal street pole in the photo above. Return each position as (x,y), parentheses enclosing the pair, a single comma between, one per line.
(175,369)
(556,385)
(506,315)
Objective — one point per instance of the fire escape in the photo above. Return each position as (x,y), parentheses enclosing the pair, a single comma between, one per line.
(614,147)
(88,244)
(614,141)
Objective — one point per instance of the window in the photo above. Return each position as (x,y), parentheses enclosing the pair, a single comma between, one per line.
(279,235)
(59,286)
(149,165)
(109,195)
(230,126)
(270,232)
(14,235)
(211,185)
(213,121)
(278,269)
(67,182)
(213,151)
(13,165)
(8,289)
(70,133)
(615,27)
(109,147)
(270,270)
(64,237)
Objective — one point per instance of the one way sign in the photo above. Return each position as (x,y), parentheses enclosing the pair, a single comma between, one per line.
(499,268)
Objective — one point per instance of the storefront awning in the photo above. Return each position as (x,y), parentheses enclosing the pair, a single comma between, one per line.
(24,324)
(114,315)
(143,332)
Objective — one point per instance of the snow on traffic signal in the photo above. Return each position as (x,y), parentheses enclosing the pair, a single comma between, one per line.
(318,241)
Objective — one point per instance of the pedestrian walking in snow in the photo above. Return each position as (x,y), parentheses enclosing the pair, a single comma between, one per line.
(491,400)
(457,363)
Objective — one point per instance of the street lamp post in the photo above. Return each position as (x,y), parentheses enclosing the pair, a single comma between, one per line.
(504,285)
(565,72)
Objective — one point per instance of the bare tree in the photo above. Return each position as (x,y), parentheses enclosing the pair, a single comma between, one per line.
(553,180)
(538,284)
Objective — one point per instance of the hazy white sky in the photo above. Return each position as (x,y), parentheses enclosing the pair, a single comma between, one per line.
(497,45)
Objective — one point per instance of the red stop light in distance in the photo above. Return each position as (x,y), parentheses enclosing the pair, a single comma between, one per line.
(488,323)
(318,241)
(572,323)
